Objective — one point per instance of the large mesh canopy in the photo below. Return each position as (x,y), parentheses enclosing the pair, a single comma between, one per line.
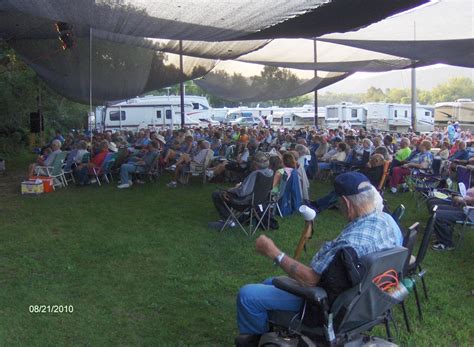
(117,71)
(135,44)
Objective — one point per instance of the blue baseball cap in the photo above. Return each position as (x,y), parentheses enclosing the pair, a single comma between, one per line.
(348,183)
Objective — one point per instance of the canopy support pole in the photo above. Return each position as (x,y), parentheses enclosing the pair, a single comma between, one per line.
(90,82)
(413,88)
(181,83)
(316,90)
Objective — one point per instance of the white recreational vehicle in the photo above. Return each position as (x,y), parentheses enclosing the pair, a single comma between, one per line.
(296,120)
(355,115)
(397,117)
(154,112)
(462,111)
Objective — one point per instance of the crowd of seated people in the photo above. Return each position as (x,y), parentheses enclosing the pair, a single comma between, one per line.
(314,151)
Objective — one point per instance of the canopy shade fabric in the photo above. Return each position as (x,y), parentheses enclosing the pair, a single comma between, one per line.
(454,52)
(135,43)
(208,20)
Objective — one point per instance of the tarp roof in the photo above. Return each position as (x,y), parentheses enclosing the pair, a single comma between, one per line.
(135,43)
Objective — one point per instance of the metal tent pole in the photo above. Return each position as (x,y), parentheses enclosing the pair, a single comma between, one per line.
(413,89)
(316,90)
(181,84)
(90,82)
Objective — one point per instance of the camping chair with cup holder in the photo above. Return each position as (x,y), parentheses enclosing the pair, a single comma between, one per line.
(325,320)
(245,210)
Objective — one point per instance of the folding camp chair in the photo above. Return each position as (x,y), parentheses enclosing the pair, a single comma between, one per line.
(104,170)
(68,167)
(409,243)
(250,207)
(55,171)
(414,268)
(468,221)
(275,197)
(196,169)
(150,171)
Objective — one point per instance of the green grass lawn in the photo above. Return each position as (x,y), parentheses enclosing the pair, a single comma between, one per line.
(140,267)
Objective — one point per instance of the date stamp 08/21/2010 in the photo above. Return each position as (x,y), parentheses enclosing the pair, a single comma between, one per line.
(51,308)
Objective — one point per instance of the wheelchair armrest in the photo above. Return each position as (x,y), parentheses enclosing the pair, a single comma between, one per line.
(314,294)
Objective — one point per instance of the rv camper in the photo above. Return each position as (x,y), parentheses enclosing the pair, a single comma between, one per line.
(355,115)
(154,112)
(295,120)
(398,117)
(462,111)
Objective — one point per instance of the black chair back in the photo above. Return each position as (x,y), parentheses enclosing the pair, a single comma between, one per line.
(409,243)
(425,242)
(366,302)
(262,188)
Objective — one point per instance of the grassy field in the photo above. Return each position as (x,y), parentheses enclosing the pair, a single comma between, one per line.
(140,267)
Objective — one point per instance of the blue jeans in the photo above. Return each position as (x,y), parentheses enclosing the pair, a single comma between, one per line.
(253,302)
(126,169)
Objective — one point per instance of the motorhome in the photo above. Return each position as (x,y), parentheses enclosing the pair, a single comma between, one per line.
(154,112)
(398,117)
(462,111)
(295,120)
(346,112)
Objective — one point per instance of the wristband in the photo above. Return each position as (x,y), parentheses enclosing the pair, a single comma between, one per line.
(278,259)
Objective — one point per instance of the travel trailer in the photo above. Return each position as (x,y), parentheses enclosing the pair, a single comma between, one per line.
(462,111)
(154,112)
(337,115)
(397,117)
(295,120)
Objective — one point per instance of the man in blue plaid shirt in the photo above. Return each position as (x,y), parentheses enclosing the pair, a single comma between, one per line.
(369,230)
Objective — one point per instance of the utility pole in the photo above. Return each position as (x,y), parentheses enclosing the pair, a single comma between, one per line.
(316,90)
(413,88)
(181,84)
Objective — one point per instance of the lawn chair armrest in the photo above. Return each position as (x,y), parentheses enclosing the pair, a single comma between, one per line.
(313,294)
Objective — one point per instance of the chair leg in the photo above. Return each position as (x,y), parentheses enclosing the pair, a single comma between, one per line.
(418,303)
(279,210)
(405,316)
(423,282)
(387,329)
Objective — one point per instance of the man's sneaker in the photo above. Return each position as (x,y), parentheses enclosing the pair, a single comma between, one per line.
(441,247)
(93,181)
(124,185)
(393,190)
(140,182)
(172,184)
